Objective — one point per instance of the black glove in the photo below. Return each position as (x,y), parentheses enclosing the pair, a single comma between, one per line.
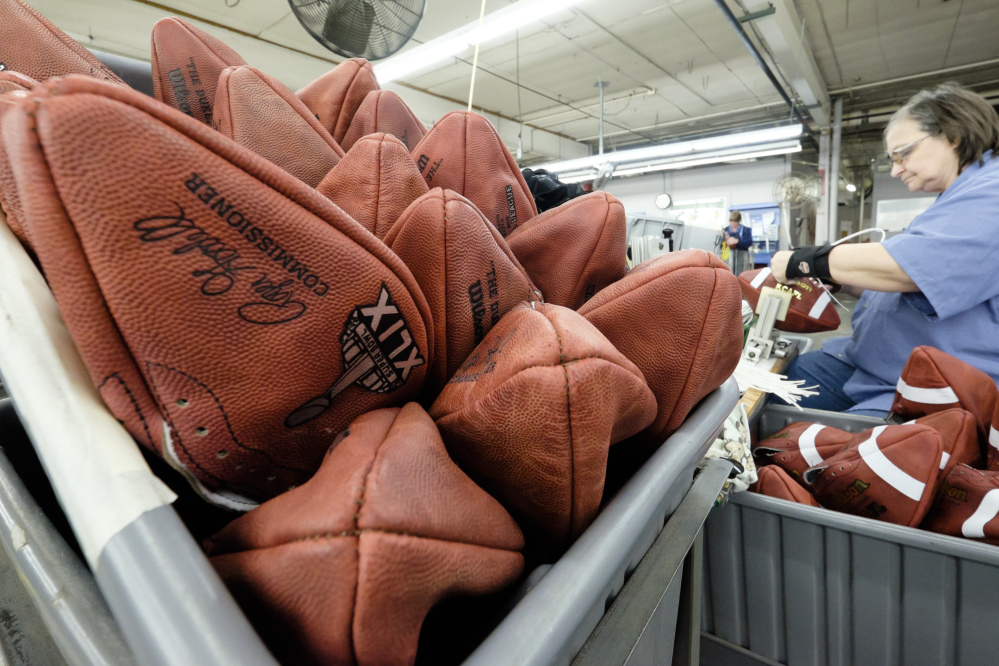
(809,261)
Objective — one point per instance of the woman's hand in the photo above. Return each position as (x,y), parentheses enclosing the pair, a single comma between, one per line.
(732,241)
(778,265)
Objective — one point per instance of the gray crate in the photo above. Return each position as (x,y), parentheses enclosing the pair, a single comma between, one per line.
(797,585)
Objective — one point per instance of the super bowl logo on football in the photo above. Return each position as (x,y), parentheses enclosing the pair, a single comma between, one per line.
(378,354)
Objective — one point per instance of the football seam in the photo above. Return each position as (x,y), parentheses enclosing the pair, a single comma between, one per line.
(697,347)
(593,250)
(568,412)
(135,404)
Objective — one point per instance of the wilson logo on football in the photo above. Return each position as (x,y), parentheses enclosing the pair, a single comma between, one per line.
(378,354)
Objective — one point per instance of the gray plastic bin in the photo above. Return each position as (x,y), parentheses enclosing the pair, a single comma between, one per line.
(50,608)
(553,621)
(793,584)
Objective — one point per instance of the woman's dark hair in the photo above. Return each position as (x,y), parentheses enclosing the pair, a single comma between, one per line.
(735,216)
(965,118)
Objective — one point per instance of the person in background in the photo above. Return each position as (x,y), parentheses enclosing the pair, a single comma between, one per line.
(935,284)
(739,239)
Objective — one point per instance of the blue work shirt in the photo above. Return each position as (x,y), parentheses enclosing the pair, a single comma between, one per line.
(744,234)
(951,252)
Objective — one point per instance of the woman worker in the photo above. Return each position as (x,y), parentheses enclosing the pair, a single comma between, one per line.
(935,284)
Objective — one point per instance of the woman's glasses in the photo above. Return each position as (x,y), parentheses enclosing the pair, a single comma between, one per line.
(900,154)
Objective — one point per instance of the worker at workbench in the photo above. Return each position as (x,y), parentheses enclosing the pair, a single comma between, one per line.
(935,284)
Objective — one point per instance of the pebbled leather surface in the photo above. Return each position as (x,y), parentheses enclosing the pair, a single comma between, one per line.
(929,367)
(775,482)
(958,498)
(344,568)
(258,112)
(574,250)
(466,271)
(186,65)
(335,96)
(531,414)
(462,152)
(374,182)
(32,45)
(849,485)
(208,289)
(678,318)
(13,87)
(804,295)
(384,111)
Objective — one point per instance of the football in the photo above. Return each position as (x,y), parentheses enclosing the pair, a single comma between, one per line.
(336,96)
(186,64)
(966,505)
(231,316)
(574,250)
(384,111)
(812,309)
(466,271)
(462,152)
(532,412)
(374,182)
(258,112)
(677,317)
(775,482)
(887,473)
(800,446)
(343,569)
(32,45)
(933,381)
(958,431)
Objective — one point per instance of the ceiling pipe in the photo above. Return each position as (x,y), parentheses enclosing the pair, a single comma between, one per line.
(758,58)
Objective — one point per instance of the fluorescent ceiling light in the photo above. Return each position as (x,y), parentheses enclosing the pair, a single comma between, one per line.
(850,187)
(782,148)
(495,25)
(678,149)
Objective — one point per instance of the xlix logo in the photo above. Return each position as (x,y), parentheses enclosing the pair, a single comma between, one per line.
(378,355)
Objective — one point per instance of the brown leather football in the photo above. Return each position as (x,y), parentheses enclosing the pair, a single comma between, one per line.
(959,433)
(384,111)
(678,318)
(887,473)
(800,446)
(375,182)
(32,45)
(574,250)
(258,112)
(343,569)
(186,66)
(531,414)
(775,482)
(812,309)
(335,96)
(933,381)
(13,88)
(464,153)
(466,271)
(966,505)
(231,316)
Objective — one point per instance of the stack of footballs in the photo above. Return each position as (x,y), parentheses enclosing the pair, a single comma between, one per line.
(939,470)
(356,330)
